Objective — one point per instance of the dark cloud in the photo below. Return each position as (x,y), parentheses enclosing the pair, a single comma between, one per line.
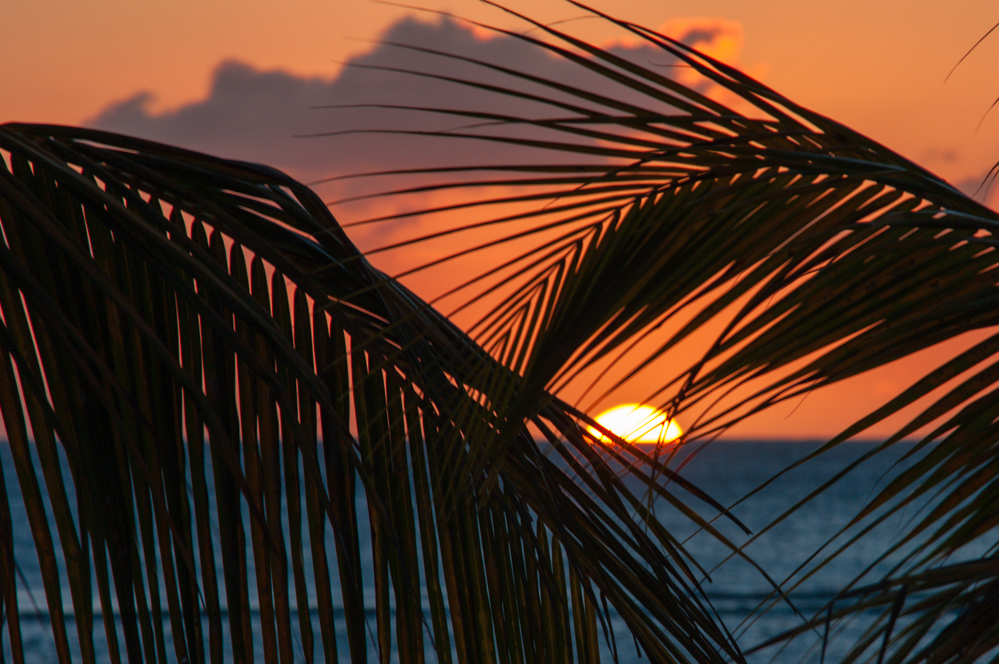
(267,116)
(248,114)
(982,188)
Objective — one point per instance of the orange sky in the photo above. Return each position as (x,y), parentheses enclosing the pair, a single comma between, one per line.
(878,67)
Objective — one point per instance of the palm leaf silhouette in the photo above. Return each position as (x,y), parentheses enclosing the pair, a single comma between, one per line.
(818,253)
(174,326)
(182,330)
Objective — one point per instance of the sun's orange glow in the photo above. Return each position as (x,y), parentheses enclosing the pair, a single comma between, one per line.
(638,424)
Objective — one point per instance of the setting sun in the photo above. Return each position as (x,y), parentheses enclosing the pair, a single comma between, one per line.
(638,424)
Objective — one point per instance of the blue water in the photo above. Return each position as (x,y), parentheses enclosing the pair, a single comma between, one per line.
(728,471)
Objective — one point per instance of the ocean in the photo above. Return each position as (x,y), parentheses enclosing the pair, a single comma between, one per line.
(728,471)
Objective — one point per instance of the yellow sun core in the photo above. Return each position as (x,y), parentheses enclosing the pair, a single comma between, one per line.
(638,424)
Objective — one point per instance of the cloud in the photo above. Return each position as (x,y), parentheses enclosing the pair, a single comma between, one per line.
(273,117)
(982,188)
(248,114)
(266,115)
(720,38)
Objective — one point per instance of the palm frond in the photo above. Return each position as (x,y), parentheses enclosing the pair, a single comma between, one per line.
(803,251)
(180,332)
(247,409)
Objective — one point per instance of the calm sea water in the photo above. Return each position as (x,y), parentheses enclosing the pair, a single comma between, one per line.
(728,471)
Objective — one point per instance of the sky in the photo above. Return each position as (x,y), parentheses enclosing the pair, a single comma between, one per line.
(243,80)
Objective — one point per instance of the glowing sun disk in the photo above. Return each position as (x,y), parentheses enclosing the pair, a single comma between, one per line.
(638,424)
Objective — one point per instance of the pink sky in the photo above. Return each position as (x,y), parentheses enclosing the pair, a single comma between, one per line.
(171,70)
